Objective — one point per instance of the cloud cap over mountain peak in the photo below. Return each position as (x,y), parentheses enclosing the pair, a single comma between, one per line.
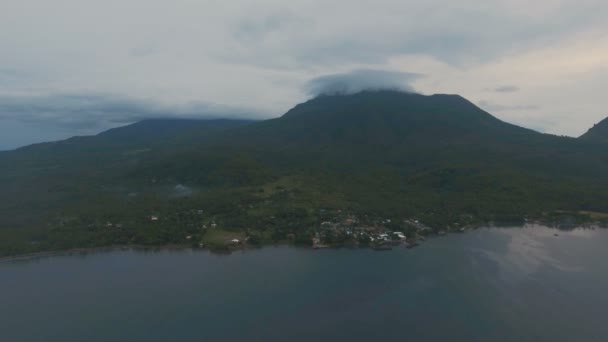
(360,80)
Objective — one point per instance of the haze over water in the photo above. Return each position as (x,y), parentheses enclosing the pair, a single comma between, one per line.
(485,285)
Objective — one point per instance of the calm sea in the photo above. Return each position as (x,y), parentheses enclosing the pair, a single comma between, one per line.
(516,284)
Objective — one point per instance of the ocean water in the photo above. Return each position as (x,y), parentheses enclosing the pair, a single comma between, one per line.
(494,284)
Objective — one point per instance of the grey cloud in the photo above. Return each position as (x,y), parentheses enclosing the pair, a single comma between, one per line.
(9,74)
(255,28)
(491,107)
(143,50)
(458,34)
(89,111)
(360,80)
(280,51)
(10,77)
(261,54)
(506,89)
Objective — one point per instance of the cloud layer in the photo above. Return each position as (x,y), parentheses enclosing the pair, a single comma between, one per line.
(543,61)
(88,110)
(360,80)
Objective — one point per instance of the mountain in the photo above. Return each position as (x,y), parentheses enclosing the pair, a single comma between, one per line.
(598,132)
(438,158)
(411,132)
(143,133)
(381,118)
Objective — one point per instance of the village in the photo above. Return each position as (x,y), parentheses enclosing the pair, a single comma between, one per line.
(334,228)
(376,233)
(249,227)
(318,229)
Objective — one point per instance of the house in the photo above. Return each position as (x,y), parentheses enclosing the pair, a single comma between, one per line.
(235,241)
(400,235)
(153,218)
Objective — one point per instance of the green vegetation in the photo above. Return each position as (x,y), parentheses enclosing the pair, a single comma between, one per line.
(386,159)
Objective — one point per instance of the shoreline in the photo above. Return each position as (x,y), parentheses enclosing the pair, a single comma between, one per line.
(84,251)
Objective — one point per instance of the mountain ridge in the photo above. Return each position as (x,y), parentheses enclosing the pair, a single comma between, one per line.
(599,132)
(167,125)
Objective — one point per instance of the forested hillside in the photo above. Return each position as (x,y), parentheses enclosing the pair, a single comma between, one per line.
(438,159)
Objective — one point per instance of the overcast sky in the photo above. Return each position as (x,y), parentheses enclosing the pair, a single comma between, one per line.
(79,66)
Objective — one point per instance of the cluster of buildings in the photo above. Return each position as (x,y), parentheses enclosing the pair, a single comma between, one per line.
(344,228)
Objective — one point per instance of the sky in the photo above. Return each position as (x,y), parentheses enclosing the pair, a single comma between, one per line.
(75,67)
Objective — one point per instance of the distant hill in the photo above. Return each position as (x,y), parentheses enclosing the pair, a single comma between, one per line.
(598,132)
(437,158)
(146,132)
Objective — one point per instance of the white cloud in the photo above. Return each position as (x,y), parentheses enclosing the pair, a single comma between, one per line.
(261,54)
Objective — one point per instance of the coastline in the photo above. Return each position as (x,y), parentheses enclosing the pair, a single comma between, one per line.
(140,248)
(83,251)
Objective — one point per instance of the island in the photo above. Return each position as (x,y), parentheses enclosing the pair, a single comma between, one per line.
(375,169)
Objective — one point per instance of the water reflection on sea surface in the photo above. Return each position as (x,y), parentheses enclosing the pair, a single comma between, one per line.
(497,284)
